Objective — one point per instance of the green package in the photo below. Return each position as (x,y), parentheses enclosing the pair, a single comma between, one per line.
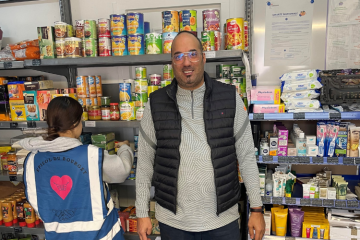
(105,141)
(46,36)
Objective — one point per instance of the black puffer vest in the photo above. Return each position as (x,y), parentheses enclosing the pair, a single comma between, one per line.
(219,113)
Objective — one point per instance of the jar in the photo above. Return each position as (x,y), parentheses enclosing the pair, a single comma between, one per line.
(4,162)
(11,163)
(85,115)
(105,101)
(114,112)
(94,113)
(105,113)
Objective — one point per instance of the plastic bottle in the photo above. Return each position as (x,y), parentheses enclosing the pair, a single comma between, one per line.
(29,215)
(20,212)
(13,205)
(269,188)
(265,149)
(301,145)
(7,213)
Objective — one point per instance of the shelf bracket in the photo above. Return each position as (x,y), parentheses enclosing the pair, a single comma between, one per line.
(65,11)
(68,72)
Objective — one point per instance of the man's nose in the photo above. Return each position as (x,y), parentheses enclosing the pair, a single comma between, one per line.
(186,61)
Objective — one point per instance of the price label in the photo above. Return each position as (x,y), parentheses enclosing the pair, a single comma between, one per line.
(340,203)
(304,159)
(90,124)
(348,161)
(277,200)
(31,124)
(333,160)
(357,161)
(210,54)
(7,65)
(334,116)
(267,158)
(266,199)
(299,115)
(328,203)
(316,202)
(305,202)
(318,160)
(14,125)
(290,238)
(13,178)
(352,204)
(293,160)
(36,62)
(258,116)
(290,201)
(17,229)
(283,159)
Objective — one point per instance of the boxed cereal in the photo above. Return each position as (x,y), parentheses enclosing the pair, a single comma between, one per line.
(17,110)
(31,106)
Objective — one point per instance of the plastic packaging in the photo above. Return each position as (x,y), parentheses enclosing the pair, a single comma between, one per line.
(281,222)
(304,103)
(24,44)
(320,137)
(296,220)
(29,215)
(273,210)
(276,187)
(306,190)
(300,75)
(291,86)
(307,94)
(299,110)
(333,133)
(7,213)
(27,53)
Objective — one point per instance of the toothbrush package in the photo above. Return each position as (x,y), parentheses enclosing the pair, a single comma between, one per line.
(300,75)
(342,140)
(320,137)
(332,134)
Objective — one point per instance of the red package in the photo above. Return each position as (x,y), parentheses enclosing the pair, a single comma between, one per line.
(123,217)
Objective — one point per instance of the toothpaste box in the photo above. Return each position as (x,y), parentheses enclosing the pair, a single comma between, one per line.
(283,135)
(282,151)
(265,95)
(273,145)
(269,108)
(341,140)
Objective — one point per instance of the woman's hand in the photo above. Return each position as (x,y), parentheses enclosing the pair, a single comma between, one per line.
(119,144)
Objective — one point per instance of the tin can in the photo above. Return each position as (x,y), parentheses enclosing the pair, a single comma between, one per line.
(90,30)
(69,30)
(127,110)
(92,86)
(168,72)
(82,87)
(60,49)
(139,113)
(91,48)
(153,43)
(82,101)
(141,86)
(141,99)
(155,79)
(235,33)
(217,40)
(168,38)
(152,89)
(136,44)
(132,82)
(236,71)
(140,72)
(94,101)
(135,23)
(73,47)
(164,83)
(211,19)
(208,40)
(146,27)
(104,28)
(224,80)
(125,92)
(79,29)
(246,35)
(60,30)
(104,47)
(188,20)
(223,71)
(118,25)
(83,47)
(170,21)
(119,45)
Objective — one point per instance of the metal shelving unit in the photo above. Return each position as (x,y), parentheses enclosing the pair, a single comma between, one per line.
(12,64)
(348,161)
(304,116)
(86,124)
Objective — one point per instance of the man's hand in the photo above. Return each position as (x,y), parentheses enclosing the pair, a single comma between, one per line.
(144,228)
(257,223)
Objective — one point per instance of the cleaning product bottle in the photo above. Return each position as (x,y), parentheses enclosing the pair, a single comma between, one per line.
(301,145)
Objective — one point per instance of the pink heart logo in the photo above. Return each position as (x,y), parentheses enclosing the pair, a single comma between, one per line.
(62,186)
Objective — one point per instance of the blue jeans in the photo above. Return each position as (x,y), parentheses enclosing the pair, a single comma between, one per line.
(227,232)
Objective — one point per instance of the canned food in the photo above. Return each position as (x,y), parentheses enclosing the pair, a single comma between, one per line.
(90,29)
(211,19)
(236,71)
(223,71)
(246,35)
(127,111)
(82,87)
(136,44)
(91,49)
(141,86)
(73,47)
(131,81)
(60,48)
(139,113)
(104,47)
(153,43)
(83,47)
(168,38)
(170,21)
(60,30)
(152,89)
(105,113)
(104,28)
(164,83)
(70,30)
(146,27)
(118,25)
(141,99)
(82,101)
(105,101)
(188,20)
(99,100)
(125,92)
(235,33)
(140,72)
(94,113)
(98,83)
(119,46)
(155,79)
(92,86)
(88,103)
(135,23)
(208,40)
(94,101)
(79,29)
(223,80)
(168,72)
(217,40)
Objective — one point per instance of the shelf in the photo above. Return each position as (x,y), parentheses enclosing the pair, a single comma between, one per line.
(308,160)
(147,59)
(266,237)
(11,65)
(304,116)
(330,203)
(22,125)
(4,176)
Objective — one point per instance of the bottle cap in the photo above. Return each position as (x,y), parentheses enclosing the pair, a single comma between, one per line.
(15,220)
(8,224)
(37,222)
(22,224)
(30,225)
(1,222)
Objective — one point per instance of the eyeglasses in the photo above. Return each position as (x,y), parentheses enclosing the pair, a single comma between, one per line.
(193,56)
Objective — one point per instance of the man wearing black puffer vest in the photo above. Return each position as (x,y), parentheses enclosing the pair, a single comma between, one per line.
(192,135)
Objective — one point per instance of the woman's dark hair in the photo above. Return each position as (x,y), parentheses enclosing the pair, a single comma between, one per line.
(63,114)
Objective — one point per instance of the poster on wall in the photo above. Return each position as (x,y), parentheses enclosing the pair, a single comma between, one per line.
(288,31)
(343,34)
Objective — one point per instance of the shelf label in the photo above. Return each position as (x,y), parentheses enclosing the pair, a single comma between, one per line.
(210,54)
(36,62)
(283,159)
(340,203)
(304,159)
(17,229)
(14,125)
(357,161)
(293,160)
(290,238)
(318,160)
(90,124)
(267,158)
(333,160)
(31,124)
(7,65)
(328,202)
(305,202)
(290,201)
(258,116)
(13,178)
(352,204)
(316,202)
(277,200)
(266,199)
(348,161)
(299,115)
(334,116)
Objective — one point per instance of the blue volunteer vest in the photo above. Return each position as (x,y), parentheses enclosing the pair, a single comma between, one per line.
(67,192)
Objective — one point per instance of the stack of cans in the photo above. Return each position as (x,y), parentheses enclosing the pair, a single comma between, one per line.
(210,36)
(89,90)
(119,39)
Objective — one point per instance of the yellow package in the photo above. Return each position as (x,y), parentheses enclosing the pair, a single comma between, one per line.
(273,210)
(281,222)
(316,230)
(5,149)
(72,95)
(17,110)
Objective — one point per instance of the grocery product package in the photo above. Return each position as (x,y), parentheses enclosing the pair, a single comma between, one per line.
(300,75)
(265,95)
(105,141)
(27,49)
(304,103)
(294,86)
(307,94)
(269,108)
(299,110)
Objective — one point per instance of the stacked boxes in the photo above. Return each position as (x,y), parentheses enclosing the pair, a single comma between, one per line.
(31,106)
(105,141)
(266,99)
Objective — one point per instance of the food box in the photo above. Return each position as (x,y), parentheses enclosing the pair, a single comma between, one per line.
(47,45)
(17,110)
(43,99)
(105,141)
(265,95)
(15,90)
(72,95)
(39,85)
(31,106)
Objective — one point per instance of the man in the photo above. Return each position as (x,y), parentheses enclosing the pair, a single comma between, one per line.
(192,134)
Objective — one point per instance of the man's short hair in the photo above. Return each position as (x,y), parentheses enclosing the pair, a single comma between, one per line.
(182,32)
